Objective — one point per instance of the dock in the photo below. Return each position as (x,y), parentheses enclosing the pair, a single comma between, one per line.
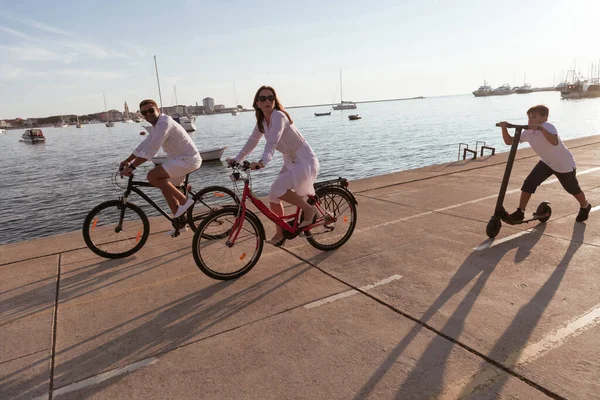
(418,304)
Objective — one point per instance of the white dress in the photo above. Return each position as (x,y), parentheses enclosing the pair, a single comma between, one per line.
(300,164)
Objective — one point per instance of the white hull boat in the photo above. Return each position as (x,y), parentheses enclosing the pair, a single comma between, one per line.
(207,155)
(33,136)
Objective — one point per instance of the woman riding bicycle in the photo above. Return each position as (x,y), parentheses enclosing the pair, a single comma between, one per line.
(300,164)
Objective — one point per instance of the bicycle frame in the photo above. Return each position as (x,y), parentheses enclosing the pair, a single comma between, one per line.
(133,186)
(278,220)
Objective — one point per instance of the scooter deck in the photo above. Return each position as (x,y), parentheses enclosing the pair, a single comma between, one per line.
(536,217)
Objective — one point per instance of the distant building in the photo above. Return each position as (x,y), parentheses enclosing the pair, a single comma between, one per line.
(174,110)
(126,114)
(209,104)
(113,115)
(219,107)
(5,124)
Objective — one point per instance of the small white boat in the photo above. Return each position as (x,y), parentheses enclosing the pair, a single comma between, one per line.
(235,112)
(33,136)
(109,124)
(187,123)
(2,130)
(207,155)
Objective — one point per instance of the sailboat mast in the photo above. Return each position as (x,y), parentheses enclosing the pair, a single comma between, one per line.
(175,89)
(341,95)
(105,110)
(158,82)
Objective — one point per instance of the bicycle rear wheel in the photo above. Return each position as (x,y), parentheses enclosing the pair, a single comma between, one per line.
(207,200)
(114,230)
(334,234)
(213,253)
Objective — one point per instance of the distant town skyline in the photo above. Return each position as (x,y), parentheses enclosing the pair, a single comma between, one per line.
(54,63)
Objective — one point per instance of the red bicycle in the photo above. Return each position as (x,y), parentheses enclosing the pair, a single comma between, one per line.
(229,241)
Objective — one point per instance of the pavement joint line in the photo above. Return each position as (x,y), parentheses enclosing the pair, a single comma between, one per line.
(520,357)
(23,356)
(425,325)
(54,330)
(350,292)
(94,380)
(90,380)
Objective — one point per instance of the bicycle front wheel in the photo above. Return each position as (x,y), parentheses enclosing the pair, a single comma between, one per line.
(114,230)
(207,200)
(333,234)
(213,252)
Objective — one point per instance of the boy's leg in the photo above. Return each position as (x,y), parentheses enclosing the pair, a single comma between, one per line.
(571,185)
(538,174)
(524,200)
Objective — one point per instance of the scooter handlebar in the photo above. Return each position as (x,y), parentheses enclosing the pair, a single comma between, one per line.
(515,126)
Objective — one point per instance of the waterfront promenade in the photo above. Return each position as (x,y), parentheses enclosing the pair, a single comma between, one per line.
(418,304)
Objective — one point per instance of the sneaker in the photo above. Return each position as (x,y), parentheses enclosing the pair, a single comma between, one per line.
(517,216)
(584,213)
(183,208)
(172,232)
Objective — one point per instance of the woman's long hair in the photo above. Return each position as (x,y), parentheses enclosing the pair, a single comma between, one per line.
(260,116)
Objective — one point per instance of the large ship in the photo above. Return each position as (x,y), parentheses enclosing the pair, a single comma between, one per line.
(484,90)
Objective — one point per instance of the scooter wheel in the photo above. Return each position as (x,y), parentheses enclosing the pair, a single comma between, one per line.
(493,227)
(544,209)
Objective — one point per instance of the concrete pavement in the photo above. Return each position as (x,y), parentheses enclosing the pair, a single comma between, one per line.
(418,304)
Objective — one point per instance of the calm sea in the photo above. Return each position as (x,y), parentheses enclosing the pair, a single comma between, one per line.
(49,188)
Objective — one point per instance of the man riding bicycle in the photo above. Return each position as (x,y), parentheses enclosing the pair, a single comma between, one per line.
(182,156)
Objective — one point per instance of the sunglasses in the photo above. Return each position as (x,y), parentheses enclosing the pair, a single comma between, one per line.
(262,99)
(148,111)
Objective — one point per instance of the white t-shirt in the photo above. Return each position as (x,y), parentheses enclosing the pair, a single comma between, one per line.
(174,140)
(558,157)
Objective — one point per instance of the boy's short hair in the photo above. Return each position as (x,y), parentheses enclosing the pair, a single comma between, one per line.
(540,109)
(148,101)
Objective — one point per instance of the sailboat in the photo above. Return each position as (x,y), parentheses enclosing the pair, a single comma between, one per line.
(126,117)
(206,154)
(108,122)
(344,105)
(78,123)
(235,110)
(184,120)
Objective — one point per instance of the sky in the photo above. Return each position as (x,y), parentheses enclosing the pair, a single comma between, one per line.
(58,57)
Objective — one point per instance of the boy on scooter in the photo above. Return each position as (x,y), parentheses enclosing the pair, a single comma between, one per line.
(555,159)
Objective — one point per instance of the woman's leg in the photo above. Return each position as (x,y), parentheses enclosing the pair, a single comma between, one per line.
(277,208)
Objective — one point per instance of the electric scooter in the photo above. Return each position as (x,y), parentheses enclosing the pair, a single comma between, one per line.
(543,211)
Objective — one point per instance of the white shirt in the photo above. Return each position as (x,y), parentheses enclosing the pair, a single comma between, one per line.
(167,133)
(280,135)
(558,157)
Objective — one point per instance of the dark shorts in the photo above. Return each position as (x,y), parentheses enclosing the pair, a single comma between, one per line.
(542,171)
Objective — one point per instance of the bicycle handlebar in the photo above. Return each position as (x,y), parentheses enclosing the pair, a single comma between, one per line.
(515,126)
(244,165)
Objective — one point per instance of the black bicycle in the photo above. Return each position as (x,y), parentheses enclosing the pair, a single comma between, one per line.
(119,228)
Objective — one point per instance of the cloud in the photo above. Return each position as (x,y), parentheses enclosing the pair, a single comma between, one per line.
(17,33)
(38,25)
(34,53)
(90,50)
(137,50)
(91,74)
(10,72)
